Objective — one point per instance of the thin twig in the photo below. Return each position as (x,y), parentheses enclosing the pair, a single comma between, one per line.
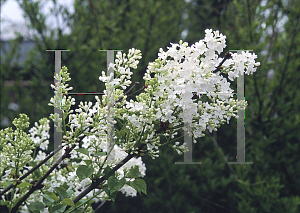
(38,185)
(135,84)
(100,180)
(144,87)
(213,203)
(227,56)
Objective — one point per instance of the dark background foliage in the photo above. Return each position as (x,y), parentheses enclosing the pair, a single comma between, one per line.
(271,183)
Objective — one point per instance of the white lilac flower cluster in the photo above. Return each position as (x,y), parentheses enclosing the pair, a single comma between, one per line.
(184,70)
(59,100)
(60,88)
(167,101)
(179,73)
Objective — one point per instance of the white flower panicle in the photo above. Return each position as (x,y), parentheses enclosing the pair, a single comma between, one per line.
(183,85)
(183,71)
(60,88)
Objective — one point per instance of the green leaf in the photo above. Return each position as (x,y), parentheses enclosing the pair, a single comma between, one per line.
(3,203)
(70,193)
(6,184)
(107,172)
(37,173)
(58,208)
(16,201)
(88,133)
(24,184)
(64,186)
(107,191)
(88,162)
(113,196)
(100,154)
(46,200)
(50,197)
(61,193)
(32,163)
(36,206)
(134,173)
(79,202)
(139,185)
(122,133)
(114,184)
(84,172)
(68,201)
(83,151)
(90,202)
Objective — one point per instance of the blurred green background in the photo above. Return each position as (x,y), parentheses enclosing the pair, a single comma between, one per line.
(269,28)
